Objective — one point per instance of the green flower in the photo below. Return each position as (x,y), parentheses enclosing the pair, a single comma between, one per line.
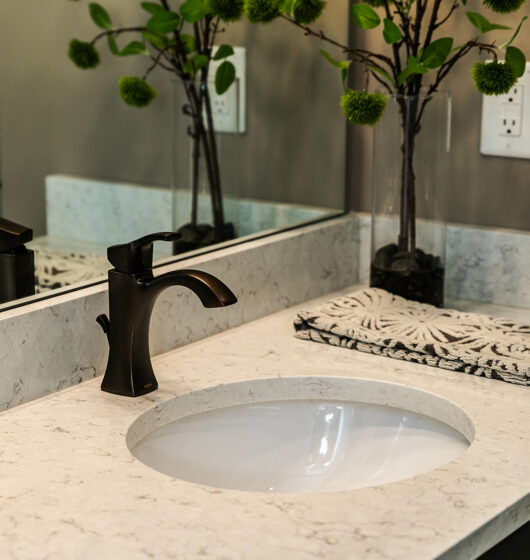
(262,11)
(362,107)
(136,91)
(307,11)
(493,78)
(227,10)
(503,6)
(83,55)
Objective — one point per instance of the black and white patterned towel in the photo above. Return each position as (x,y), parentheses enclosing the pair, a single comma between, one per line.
(380,323)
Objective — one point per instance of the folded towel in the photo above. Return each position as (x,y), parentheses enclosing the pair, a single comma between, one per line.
(380,323)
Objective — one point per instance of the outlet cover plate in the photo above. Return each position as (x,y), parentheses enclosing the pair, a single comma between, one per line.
(229,109)
(505,127)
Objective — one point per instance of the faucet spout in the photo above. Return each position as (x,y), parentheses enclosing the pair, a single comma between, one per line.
(132,297)
(209,289)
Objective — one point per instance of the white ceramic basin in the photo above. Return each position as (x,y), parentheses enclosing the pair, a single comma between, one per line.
(311,444)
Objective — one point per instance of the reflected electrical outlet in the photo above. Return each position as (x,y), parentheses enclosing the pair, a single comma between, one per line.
(229,108)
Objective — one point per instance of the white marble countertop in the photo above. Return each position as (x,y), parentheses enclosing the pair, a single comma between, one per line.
(69,487)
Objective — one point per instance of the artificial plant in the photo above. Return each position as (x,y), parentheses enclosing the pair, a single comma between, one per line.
(178,39)
(420,53)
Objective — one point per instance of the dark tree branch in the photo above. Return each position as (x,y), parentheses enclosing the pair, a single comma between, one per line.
(358,55)
(402,12)
(117,32)
(156,62)
(446,18)
(382,82)
(432,24)
(448,64)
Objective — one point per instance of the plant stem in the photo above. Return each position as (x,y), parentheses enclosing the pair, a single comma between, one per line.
(217,191)
(118,32)
(196,154)
(407,217)
(358,55)
(208,36)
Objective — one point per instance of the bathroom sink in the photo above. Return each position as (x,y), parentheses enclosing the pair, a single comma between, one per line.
(301,434)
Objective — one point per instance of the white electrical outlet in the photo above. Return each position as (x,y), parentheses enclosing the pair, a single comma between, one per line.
(506,121)
(229,109)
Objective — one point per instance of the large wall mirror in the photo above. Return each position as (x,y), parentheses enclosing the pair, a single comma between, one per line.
(84,171)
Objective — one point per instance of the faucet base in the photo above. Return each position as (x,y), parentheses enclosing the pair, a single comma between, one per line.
(129,392)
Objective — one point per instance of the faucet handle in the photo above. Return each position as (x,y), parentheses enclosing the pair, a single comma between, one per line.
(13,235)
(137,256)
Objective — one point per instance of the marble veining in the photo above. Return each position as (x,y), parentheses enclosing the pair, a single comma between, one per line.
(62,339)
(53,344)
(69,487)
(482,264)
(489,265)
(294,388)
(112,212)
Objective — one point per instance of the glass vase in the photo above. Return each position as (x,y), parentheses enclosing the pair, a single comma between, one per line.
(411,173)
(203,184)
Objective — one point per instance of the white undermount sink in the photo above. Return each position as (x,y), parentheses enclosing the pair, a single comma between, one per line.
(301,434)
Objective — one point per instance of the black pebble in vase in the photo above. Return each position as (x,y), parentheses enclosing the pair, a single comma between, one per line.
(418,277)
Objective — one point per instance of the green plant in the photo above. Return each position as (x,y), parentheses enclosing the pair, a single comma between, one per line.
(181,42)
(418,56)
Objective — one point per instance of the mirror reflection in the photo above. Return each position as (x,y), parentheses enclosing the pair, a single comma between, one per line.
(237,141)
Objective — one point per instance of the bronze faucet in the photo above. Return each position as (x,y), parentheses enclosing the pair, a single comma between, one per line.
(133,290)
(17,263)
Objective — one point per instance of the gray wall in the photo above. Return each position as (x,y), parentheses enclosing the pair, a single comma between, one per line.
(56,118)
(484,190)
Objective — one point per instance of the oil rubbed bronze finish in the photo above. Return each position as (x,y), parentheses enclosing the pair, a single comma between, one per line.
(133,291)
(17,263)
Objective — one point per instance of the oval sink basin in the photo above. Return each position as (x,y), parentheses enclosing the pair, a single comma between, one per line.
(336,434)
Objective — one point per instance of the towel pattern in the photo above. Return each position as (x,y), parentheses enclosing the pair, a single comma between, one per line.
(377,322)
(57,269)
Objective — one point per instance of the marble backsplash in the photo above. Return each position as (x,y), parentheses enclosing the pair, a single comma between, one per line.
(50,345)
(106,212)
(482,264)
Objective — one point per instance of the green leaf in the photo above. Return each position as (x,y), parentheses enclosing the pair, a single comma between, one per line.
(223,51)
(344,76)
(163,22)
(383,73)
(482,24)
(195,63)
(287,7)
(189,42)
(151,7)
(515,34)
(193,10)
(157,40)
(337,63)
(224,77)
(402,78)
(365,16)
(436,53)
(414,67)
(134,47)
(111,39)
(100,16)
(391,32)
(516,59)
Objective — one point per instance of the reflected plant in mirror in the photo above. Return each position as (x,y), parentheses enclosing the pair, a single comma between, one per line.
(85,170)
(180,42)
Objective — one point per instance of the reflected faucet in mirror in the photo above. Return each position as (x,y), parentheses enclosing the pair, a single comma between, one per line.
(133,290)
(17,270)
